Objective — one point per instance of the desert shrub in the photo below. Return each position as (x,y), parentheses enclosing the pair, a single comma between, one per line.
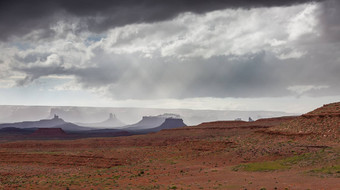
(282,164)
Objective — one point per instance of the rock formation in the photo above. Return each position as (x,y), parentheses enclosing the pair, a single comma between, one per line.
(55,122)
(111,122)
(322,122)
(147,122)
(171,123)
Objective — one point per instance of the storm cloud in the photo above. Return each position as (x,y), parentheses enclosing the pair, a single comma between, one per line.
(148,50)
(330,21)
(19,18)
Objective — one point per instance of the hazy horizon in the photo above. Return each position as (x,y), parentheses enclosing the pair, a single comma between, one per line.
(83,115)
(179,54)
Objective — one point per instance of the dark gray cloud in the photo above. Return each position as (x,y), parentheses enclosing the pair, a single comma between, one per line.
(21,17)
(35,72)
(329,20)
(32,57)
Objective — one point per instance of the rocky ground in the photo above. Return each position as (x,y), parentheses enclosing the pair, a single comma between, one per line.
(266,154)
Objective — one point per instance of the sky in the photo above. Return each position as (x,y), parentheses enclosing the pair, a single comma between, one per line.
(280,55)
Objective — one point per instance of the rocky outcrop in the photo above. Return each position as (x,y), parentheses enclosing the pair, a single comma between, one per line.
(322,122)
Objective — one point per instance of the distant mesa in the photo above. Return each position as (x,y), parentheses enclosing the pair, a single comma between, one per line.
(149,122)
(156,123)
(44,123)
(145,125)
(55,122)
(111,122)
(48,132)
(170,123)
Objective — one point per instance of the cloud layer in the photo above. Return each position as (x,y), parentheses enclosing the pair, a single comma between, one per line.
(22,17)
(174,49)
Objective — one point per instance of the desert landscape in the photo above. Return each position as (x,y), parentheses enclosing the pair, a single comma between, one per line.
(170,94)
(294,152)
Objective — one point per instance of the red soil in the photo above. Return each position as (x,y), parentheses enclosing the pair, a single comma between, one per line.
(196,157)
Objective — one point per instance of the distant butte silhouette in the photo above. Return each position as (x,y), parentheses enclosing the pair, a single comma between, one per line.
(111,122)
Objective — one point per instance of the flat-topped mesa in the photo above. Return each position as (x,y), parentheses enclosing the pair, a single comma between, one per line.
(171,123)
(149,122)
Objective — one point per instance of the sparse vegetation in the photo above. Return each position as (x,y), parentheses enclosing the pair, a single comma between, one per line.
(306,159)
(330,171)
(200,157)
(260,167)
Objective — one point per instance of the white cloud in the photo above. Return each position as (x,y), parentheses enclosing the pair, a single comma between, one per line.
(303,23)
(291,54)
(225,32)
(67,86)
(7,83)
(301,89)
